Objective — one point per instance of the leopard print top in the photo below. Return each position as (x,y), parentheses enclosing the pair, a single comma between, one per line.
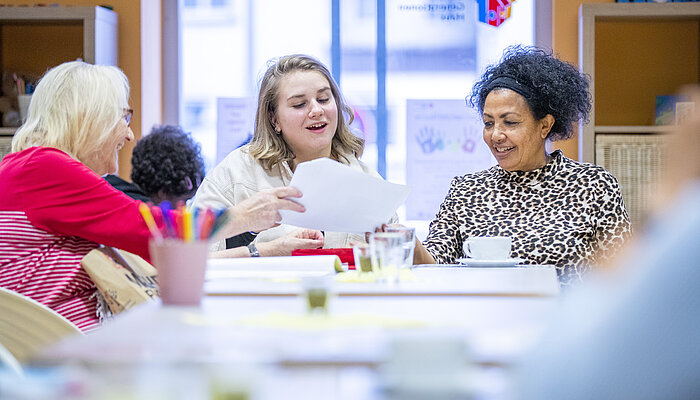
(567,214)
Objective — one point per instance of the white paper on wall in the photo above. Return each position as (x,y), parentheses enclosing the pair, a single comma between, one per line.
(235,120)
(443,140)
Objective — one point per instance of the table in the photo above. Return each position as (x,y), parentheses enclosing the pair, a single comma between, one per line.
(244,326)
(430,280)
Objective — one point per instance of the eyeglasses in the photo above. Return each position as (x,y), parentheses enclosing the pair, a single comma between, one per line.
(128,115)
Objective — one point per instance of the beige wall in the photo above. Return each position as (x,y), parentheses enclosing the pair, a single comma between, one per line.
(129,53)
(565,43)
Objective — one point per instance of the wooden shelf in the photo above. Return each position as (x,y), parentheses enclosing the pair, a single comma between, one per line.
(35,39)
(41,29)
(634,52)
(633,128)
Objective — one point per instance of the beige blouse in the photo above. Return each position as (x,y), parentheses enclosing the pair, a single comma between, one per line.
(239,176)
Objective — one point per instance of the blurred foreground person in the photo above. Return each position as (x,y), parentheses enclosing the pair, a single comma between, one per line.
(633,334)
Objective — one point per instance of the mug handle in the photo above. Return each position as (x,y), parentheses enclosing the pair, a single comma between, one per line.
(466,249)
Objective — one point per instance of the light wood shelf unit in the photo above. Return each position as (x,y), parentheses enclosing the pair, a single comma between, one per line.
(633,52)
(97,27)
(34,39)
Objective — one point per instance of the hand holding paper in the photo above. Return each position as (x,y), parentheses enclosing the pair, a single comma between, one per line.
(341,199)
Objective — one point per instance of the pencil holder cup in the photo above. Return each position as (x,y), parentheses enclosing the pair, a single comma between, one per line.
(181,266)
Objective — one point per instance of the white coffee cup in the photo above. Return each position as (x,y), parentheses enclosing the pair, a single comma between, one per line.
(488,247)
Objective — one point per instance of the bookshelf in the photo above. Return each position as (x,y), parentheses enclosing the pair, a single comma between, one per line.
(34,39)
(632,53)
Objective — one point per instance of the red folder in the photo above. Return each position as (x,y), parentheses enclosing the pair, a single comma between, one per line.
(345,254)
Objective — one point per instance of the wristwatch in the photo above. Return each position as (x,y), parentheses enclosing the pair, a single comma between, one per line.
(253,250)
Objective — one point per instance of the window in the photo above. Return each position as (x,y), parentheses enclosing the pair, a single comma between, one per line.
(434,50)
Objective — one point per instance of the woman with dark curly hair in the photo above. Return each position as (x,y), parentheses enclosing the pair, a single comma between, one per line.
(167,164)
(557,211)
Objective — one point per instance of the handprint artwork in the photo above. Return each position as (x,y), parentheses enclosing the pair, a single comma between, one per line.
(429,139)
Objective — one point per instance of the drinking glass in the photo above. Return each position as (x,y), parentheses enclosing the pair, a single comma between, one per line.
(408,243)
(317,292)
(363,260)
(387,254)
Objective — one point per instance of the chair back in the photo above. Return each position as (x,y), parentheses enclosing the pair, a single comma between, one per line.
(9,362)
(27,326)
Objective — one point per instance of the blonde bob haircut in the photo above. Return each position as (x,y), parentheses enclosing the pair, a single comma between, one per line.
(75,108)
(267,146)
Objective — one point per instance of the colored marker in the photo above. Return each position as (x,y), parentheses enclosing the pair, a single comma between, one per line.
(150,222)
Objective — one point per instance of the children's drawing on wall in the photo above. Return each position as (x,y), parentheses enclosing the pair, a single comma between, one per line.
(444,140)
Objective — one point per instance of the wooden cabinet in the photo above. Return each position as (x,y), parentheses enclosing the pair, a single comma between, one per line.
(34,39)
(632,53)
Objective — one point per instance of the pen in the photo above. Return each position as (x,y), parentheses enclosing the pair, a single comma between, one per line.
(207,224)
(187,224)
(150,222)
(221,218)
(168,218)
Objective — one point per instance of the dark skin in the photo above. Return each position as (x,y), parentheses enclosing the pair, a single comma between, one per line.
(509,123)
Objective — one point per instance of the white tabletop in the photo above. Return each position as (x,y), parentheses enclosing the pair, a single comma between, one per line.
(249,329)
(430,280)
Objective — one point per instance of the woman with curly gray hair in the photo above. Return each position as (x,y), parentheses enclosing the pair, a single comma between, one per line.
(556,211)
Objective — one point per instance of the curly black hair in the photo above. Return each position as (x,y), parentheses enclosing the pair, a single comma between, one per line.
(556,87)
(167,159)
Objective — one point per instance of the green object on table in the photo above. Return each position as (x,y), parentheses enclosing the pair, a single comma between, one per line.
(317,299)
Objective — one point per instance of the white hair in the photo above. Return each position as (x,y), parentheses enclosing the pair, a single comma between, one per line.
(75,108)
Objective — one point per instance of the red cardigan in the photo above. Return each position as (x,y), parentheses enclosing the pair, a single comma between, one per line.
(53,211)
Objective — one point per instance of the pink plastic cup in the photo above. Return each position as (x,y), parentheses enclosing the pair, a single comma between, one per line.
(181,267)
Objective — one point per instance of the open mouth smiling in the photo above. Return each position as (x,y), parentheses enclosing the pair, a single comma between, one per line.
(317,126)
(504,149)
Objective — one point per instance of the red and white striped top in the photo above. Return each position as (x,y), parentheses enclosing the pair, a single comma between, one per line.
(46,268)
(53,211)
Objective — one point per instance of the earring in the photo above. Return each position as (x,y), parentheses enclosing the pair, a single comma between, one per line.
(278,130)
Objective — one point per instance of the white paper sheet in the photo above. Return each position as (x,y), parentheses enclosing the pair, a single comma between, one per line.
(271,267)
(341,199)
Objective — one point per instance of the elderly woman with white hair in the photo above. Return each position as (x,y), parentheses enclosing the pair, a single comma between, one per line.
(54,205)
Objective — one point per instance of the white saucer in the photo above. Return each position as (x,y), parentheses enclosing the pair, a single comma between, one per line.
(470,262)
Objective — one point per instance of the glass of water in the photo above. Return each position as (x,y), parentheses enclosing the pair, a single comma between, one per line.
(408,242)
(387,254)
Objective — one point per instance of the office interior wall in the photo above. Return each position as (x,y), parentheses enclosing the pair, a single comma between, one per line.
(565,44)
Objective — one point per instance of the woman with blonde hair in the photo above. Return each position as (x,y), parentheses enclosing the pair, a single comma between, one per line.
(54,205)
(301,116)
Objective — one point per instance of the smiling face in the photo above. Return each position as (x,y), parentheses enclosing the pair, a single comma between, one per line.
(515,137)
(306,114)
(107,158)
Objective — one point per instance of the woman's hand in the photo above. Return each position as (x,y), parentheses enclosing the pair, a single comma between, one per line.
(261,211)
(381,228)
(299,239)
